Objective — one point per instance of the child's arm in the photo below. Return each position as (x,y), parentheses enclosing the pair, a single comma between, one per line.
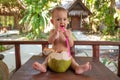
(53,36)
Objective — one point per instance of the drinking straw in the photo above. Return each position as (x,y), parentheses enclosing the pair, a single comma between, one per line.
(68,46)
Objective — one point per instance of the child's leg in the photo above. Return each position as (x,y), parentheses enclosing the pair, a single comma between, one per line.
(40,67)
(79,69)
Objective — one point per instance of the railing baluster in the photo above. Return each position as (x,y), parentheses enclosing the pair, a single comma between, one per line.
(17,56)
(96,51)
(119,62)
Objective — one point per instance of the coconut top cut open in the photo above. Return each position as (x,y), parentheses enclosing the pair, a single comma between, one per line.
(60,56)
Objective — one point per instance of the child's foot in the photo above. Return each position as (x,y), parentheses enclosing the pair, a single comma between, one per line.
(39,67)
(82,68)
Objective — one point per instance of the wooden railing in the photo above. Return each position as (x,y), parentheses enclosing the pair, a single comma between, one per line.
(95,48)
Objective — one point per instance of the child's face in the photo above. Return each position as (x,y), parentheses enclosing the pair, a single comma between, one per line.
(59,18)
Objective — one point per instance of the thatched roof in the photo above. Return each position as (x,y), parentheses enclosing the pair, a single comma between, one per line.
(9,9)
(78,8)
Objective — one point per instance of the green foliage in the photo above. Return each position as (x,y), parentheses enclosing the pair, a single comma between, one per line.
(9,2)
(9,21)
(33,36)
(103,13)
(109,21)
(118,16)
(2,48)
(113,39)
(106,61)
(116,37)
(37,14)
(86,53)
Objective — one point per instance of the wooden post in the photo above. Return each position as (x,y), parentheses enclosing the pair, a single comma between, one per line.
(17,56)
(96,51)
(119,62)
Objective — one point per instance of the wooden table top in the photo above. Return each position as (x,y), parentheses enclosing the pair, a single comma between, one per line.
(98,72)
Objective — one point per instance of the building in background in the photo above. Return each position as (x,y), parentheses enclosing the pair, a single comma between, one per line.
(77,12)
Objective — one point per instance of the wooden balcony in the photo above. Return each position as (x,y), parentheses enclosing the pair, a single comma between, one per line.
(98,72)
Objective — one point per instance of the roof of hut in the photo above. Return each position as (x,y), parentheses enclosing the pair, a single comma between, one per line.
(77,8)
(9,8)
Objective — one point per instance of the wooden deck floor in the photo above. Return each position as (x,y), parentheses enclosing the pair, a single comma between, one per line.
(98,72)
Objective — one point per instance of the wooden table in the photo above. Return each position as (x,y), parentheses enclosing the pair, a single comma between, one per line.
(98,72)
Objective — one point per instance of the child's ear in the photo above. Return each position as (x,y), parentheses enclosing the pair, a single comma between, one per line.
(68,21)
(51,21)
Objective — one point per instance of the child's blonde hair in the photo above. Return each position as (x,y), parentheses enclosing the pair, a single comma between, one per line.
(58,8)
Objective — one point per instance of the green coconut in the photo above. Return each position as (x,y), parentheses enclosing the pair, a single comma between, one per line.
(59,62)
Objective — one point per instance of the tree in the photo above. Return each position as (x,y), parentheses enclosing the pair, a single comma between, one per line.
(36,15)
(103,11)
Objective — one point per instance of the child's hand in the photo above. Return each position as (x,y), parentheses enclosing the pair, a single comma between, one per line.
(65,34)
(64,31)
(56,33)
(58,28)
